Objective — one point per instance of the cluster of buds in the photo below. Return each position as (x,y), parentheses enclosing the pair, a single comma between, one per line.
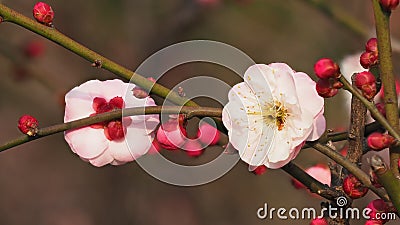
(377,208)
(353,187)
(328,73)
(43,13)
(172,135)
(366,82)
(378,141)
(369,58)
(389,4)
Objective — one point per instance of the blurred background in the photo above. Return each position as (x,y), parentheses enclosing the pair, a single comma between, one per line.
(43,182)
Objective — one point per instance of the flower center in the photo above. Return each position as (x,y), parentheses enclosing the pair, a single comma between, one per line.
(275,113)
(113,130)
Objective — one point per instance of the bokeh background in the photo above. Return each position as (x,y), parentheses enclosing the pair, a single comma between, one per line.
(43,182)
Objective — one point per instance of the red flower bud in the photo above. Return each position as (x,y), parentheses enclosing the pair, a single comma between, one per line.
(368,59)
(260,170)
(325,89)
(28,124)
(319,221)
(43,13)
(353,187)
(389,4)
(378,141)
(372,45)
(377,207)
(326,68)
(365,81)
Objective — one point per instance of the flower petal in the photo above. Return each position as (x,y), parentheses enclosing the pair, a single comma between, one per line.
(307,94)
(87,142)
(102,159)
(319,127)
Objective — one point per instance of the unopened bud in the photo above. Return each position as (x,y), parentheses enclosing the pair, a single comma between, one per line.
(325,88)
(326,68)
(28,124)
(368,59)
(378,141)
(353,187)
(389,4)
(43,13)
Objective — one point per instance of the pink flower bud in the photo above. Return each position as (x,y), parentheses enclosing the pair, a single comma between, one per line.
(337,84)
(208,135)
(319,221)
(368,59)
(365,81)
(353,187)
(260,170)
(171,135)
(377,207)
(372,45)
(325,88)
(389,4)
(28,124)
(43,13)
(326,68)
(378,141)
(193,148)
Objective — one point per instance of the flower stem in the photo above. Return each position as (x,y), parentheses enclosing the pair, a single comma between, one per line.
(382,19)
(351,167)
(387,179)
(356,130)
(371,107)
(311,183)
(43,132)
(54,35)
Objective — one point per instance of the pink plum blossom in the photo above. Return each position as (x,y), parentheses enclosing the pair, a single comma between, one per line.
(319,172)
(104,143)
(272,114)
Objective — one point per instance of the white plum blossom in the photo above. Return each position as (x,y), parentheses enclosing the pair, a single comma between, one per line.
(272,113)
(105,143)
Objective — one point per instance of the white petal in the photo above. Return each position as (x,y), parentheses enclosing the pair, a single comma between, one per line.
(102,159)
(87,142)
(307,94)
(319,127)
(257,77)
(281,147)
(119,151)
(138,141)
